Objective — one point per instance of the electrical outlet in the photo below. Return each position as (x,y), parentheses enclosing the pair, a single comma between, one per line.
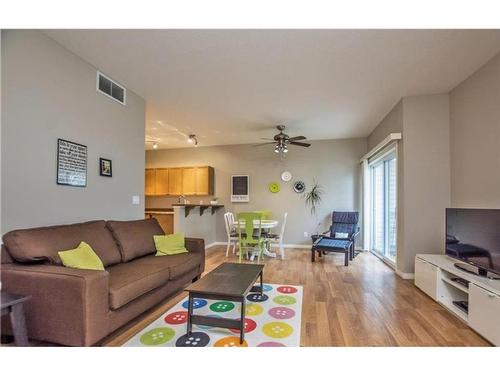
(306,235)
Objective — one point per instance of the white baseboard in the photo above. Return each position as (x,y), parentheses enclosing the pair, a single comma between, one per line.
(215,244)
(405,275)
(286,246)
(292,246)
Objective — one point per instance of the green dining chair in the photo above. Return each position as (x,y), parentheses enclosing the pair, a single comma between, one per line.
(248,235)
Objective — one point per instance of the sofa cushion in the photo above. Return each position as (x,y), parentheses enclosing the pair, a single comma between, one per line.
(181,264)
(44,243)
(83,258)
(135,238)
(128,281)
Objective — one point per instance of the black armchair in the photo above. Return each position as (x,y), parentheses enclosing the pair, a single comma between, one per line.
(340,237)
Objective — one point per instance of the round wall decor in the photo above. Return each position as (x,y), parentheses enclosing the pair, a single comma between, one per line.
(274,187)
(299,186)
(286,176)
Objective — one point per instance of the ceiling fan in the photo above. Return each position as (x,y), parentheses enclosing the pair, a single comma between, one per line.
(282,140)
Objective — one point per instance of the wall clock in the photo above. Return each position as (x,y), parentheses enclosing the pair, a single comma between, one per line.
(286,176)
(299,186)
(274,187)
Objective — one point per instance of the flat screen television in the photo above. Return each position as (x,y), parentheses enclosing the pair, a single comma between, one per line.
(473,236)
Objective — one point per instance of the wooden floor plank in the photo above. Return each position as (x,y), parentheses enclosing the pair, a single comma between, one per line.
(364,304)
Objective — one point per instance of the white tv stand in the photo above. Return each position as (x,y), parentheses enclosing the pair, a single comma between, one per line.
(433,275)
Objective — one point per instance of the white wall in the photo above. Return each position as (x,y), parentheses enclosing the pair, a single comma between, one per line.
(334,164)
(50,93)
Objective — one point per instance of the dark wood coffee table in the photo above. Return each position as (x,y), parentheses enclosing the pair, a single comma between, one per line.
(228,282)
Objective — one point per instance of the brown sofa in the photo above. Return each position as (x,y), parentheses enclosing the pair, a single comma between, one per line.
(80,307)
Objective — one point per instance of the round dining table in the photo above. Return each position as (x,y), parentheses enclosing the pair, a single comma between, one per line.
(265,224)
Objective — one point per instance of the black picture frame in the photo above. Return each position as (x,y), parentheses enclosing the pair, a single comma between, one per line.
(65,176)
(105,167)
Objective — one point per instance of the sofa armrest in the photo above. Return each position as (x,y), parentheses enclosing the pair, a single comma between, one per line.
(68,306)
(197,245)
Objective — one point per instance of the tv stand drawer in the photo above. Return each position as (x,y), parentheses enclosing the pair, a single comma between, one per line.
(426,276)
(484,313)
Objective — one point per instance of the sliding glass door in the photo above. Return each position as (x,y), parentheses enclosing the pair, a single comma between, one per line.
(383,174)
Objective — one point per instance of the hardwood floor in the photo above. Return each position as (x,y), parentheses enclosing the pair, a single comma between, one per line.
(365,304)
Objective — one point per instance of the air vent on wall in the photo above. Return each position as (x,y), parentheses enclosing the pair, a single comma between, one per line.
(111,89)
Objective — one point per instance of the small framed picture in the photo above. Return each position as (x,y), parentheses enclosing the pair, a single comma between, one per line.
(105,167)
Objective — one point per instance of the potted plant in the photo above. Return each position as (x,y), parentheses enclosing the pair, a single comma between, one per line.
(313,198)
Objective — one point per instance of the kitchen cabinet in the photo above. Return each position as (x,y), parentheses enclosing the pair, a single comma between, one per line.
(150,179)
(175,181)
(204,181)
(180,181)
(161,181)
(189,181)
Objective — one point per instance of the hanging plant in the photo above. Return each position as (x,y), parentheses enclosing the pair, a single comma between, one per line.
(313,198)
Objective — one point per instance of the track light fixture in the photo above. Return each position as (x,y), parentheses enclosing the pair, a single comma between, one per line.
(192,139)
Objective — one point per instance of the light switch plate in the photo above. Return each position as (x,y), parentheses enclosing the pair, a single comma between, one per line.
(136,199)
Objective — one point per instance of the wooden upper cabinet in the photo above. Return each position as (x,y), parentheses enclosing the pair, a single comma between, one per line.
(189,181)
(150,188)
(175,181)
(204,180)
(161,181)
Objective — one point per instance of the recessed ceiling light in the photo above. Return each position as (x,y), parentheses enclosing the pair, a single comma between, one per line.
(155,145)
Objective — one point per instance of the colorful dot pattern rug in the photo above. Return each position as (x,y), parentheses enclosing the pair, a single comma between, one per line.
(271,320)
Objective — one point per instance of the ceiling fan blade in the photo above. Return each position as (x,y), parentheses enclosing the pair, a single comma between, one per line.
(298,138)
(263,144)
(300,144)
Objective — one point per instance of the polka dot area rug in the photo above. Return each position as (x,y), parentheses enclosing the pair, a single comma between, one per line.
(271,320)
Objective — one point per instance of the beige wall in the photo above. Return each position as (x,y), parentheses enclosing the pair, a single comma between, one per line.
(50,93)
(475,139)
(426,167)
(393,123)
(423,173)
(334,164)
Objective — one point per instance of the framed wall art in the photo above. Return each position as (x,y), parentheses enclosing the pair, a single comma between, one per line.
(71,163)
(105,167)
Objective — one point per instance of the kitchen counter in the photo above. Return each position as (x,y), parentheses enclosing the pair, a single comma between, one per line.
(189,206)
(159,211)
(199,221)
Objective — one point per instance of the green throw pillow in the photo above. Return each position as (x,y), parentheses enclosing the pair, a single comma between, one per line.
(83,257)
(170,244)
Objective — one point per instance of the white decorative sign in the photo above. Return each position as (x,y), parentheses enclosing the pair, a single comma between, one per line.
(71,163)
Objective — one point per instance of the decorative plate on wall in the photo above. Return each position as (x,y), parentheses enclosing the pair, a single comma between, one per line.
(286,176)
(274,187)
(299,186)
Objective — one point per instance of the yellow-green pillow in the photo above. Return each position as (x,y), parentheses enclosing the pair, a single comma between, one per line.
(83,257)
(170,244)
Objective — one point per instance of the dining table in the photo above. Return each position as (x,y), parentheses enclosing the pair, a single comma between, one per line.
(265,225)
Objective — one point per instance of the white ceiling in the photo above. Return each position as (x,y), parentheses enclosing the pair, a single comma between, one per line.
(235,86)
